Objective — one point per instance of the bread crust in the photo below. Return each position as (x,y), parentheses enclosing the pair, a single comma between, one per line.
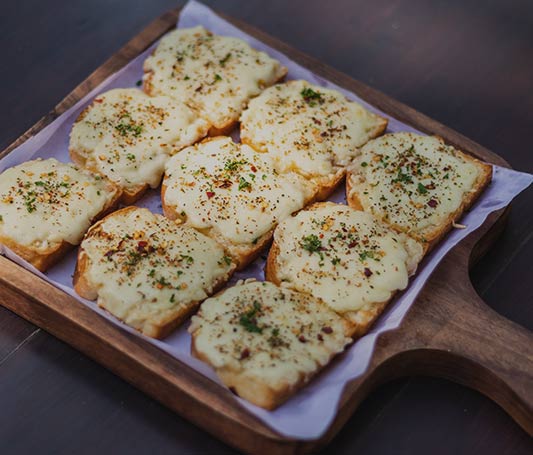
(158,329)
(328,186)
(433,237)
(42,260)
(380,128)
(361,321)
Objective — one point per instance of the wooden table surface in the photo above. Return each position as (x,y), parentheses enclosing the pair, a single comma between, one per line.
(467,64)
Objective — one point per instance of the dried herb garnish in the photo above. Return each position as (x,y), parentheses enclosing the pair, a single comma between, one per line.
(243,184)
(312,244)
(188,259)
(234,165)
(422,189)
(225,59)
(366,255)
(125,128)
(29,202)
(402,177)
(249,319)
(311,97)
(130,127)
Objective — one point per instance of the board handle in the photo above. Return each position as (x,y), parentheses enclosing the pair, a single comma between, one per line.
(462,340)
(493,355)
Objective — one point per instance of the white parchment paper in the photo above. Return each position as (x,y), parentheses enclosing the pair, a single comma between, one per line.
(309,413)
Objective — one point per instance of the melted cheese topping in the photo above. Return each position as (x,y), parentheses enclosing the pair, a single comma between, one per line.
(45,202)
(412,182)
(230,187)
(267,333)
(147,268)
(342,256)
(307,128)
(216,75)
(128,136)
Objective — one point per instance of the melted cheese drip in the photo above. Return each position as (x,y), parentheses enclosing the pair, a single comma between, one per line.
(412,182)
(230,187)
(268,333)
(148,268)
(307,128)
(342,256)
(45,202)
(128,136)
(216,75)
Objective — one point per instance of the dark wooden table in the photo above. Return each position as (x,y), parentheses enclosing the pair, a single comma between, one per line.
(467,64)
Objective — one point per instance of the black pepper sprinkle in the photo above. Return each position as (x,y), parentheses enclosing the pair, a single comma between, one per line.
(368,272)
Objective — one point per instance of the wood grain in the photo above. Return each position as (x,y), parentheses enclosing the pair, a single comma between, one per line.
(430,345)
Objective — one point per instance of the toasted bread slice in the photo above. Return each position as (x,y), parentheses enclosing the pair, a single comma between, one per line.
(46,206)
(215,75)
(266,342)
(310,130)
(345,257)
(147,270)
(127,136)
(416,184)
(231,193)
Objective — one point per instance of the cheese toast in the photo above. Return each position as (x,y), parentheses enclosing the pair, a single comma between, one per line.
(127,136)
(46,206)
(265,342)
(415,184)
(148,271)
(345,257)
(308,129)
(215,75)
(231,193)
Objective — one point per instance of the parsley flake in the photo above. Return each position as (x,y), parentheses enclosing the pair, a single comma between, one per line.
(187,258)
(366,255)
(402,177)
(225,59)
(249,319)
(311,97)
(421,188)
(126,128)
(243,184)
(312,244)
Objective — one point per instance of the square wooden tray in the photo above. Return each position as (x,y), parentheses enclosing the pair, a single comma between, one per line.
(449,332)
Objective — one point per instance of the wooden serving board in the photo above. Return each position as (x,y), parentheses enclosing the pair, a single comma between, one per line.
(449,332)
